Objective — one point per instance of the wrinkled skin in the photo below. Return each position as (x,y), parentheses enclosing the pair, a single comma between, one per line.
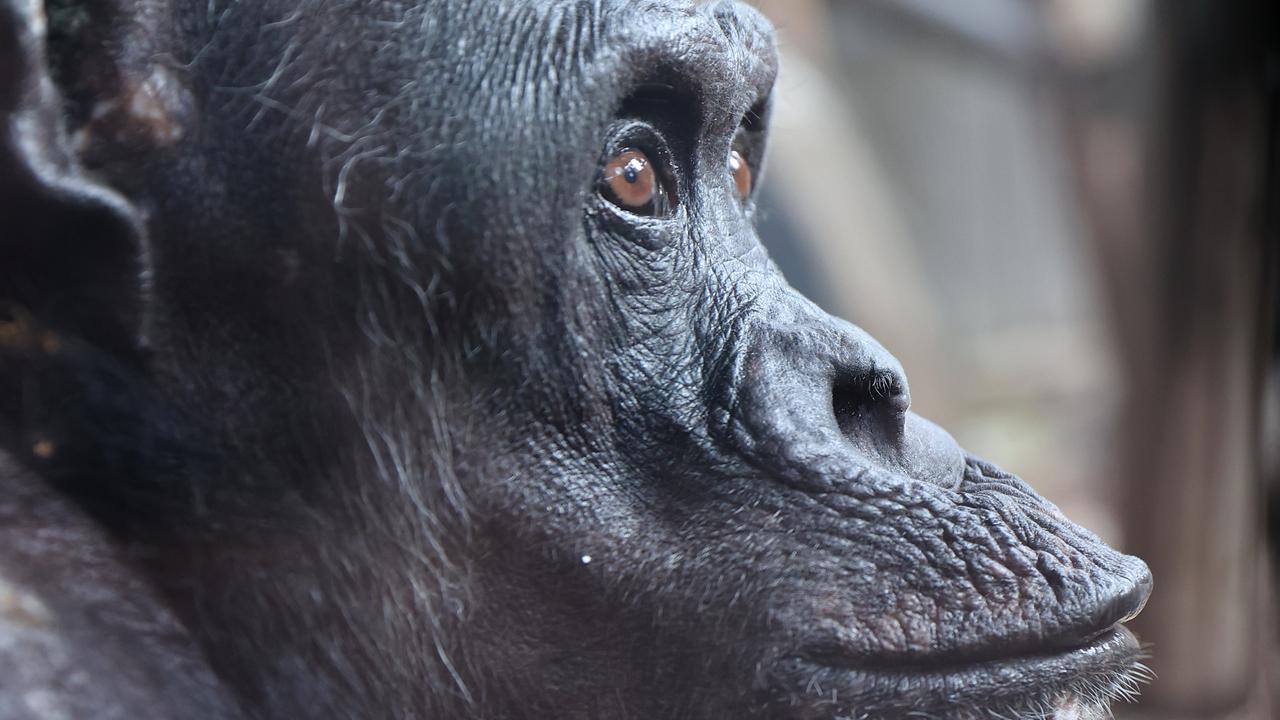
(407,419)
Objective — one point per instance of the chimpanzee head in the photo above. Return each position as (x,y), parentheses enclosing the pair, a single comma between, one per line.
(458,384)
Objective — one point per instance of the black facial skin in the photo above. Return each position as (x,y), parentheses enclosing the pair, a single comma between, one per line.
(418,422)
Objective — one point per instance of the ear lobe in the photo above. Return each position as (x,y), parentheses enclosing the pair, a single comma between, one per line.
(71,248)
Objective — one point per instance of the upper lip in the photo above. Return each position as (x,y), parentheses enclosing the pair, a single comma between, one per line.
(1114,607)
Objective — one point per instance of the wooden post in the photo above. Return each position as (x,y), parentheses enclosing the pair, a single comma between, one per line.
(1170,139)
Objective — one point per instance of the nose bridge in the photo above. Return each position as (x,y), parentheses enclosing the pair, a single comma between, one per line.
(826,340)
(818,390)
(749,35)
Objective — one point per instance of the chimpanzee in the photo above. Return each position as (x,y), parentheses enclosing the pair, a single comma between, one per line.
(391,359)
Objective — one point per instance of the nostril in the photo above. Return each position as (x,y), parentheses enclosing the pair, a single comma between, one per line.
(876,394)
(884,385)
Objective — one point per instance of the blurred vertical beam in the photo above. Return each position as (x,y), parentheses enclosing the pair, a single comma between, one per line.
(1167,125)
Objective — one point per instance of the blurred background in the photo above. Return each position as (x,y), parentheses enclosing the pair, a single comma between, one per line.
(1061,216)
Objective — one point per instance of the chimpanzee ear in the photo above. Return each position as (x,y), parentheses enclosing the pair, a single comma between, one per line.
(70,247)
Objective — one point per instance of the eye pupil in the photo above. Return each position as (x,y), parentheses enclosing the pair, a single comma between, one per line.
(631,172)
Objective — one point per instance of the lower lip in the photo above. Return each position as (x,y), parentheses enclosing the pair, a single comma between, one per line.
(1107,655)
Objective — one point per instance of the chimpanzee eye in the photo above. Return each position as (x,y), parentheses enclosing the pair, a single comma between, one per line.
(741,172)
(631,181)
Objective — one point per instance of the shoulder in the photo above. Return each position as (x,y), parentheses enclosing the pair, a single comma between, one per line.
(82,634)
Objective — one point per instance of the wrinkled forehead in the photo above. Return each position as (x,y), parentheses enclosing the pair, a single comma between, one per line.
(357,65)
(711,49)
(525,51)
(447,109)
(536,55)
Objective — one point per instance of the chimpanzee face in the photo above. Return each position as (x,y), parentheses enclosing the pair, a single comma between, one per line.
(508,412)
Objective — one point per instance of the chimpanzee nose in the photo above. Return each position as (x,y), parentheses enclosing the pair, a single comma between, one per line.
(826,397)
(871,408)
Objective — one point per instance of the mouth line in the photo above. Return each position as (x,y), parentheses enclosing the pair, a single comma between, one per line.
(1086,677)
(1107,653)
(1105,642)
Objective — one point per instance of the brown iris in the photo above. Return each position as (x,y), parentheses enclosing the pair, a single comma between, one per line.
(631,183)
(741,174)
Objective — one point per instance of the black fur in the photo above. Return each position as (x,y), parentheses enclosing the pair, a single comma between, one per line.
(321,330)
